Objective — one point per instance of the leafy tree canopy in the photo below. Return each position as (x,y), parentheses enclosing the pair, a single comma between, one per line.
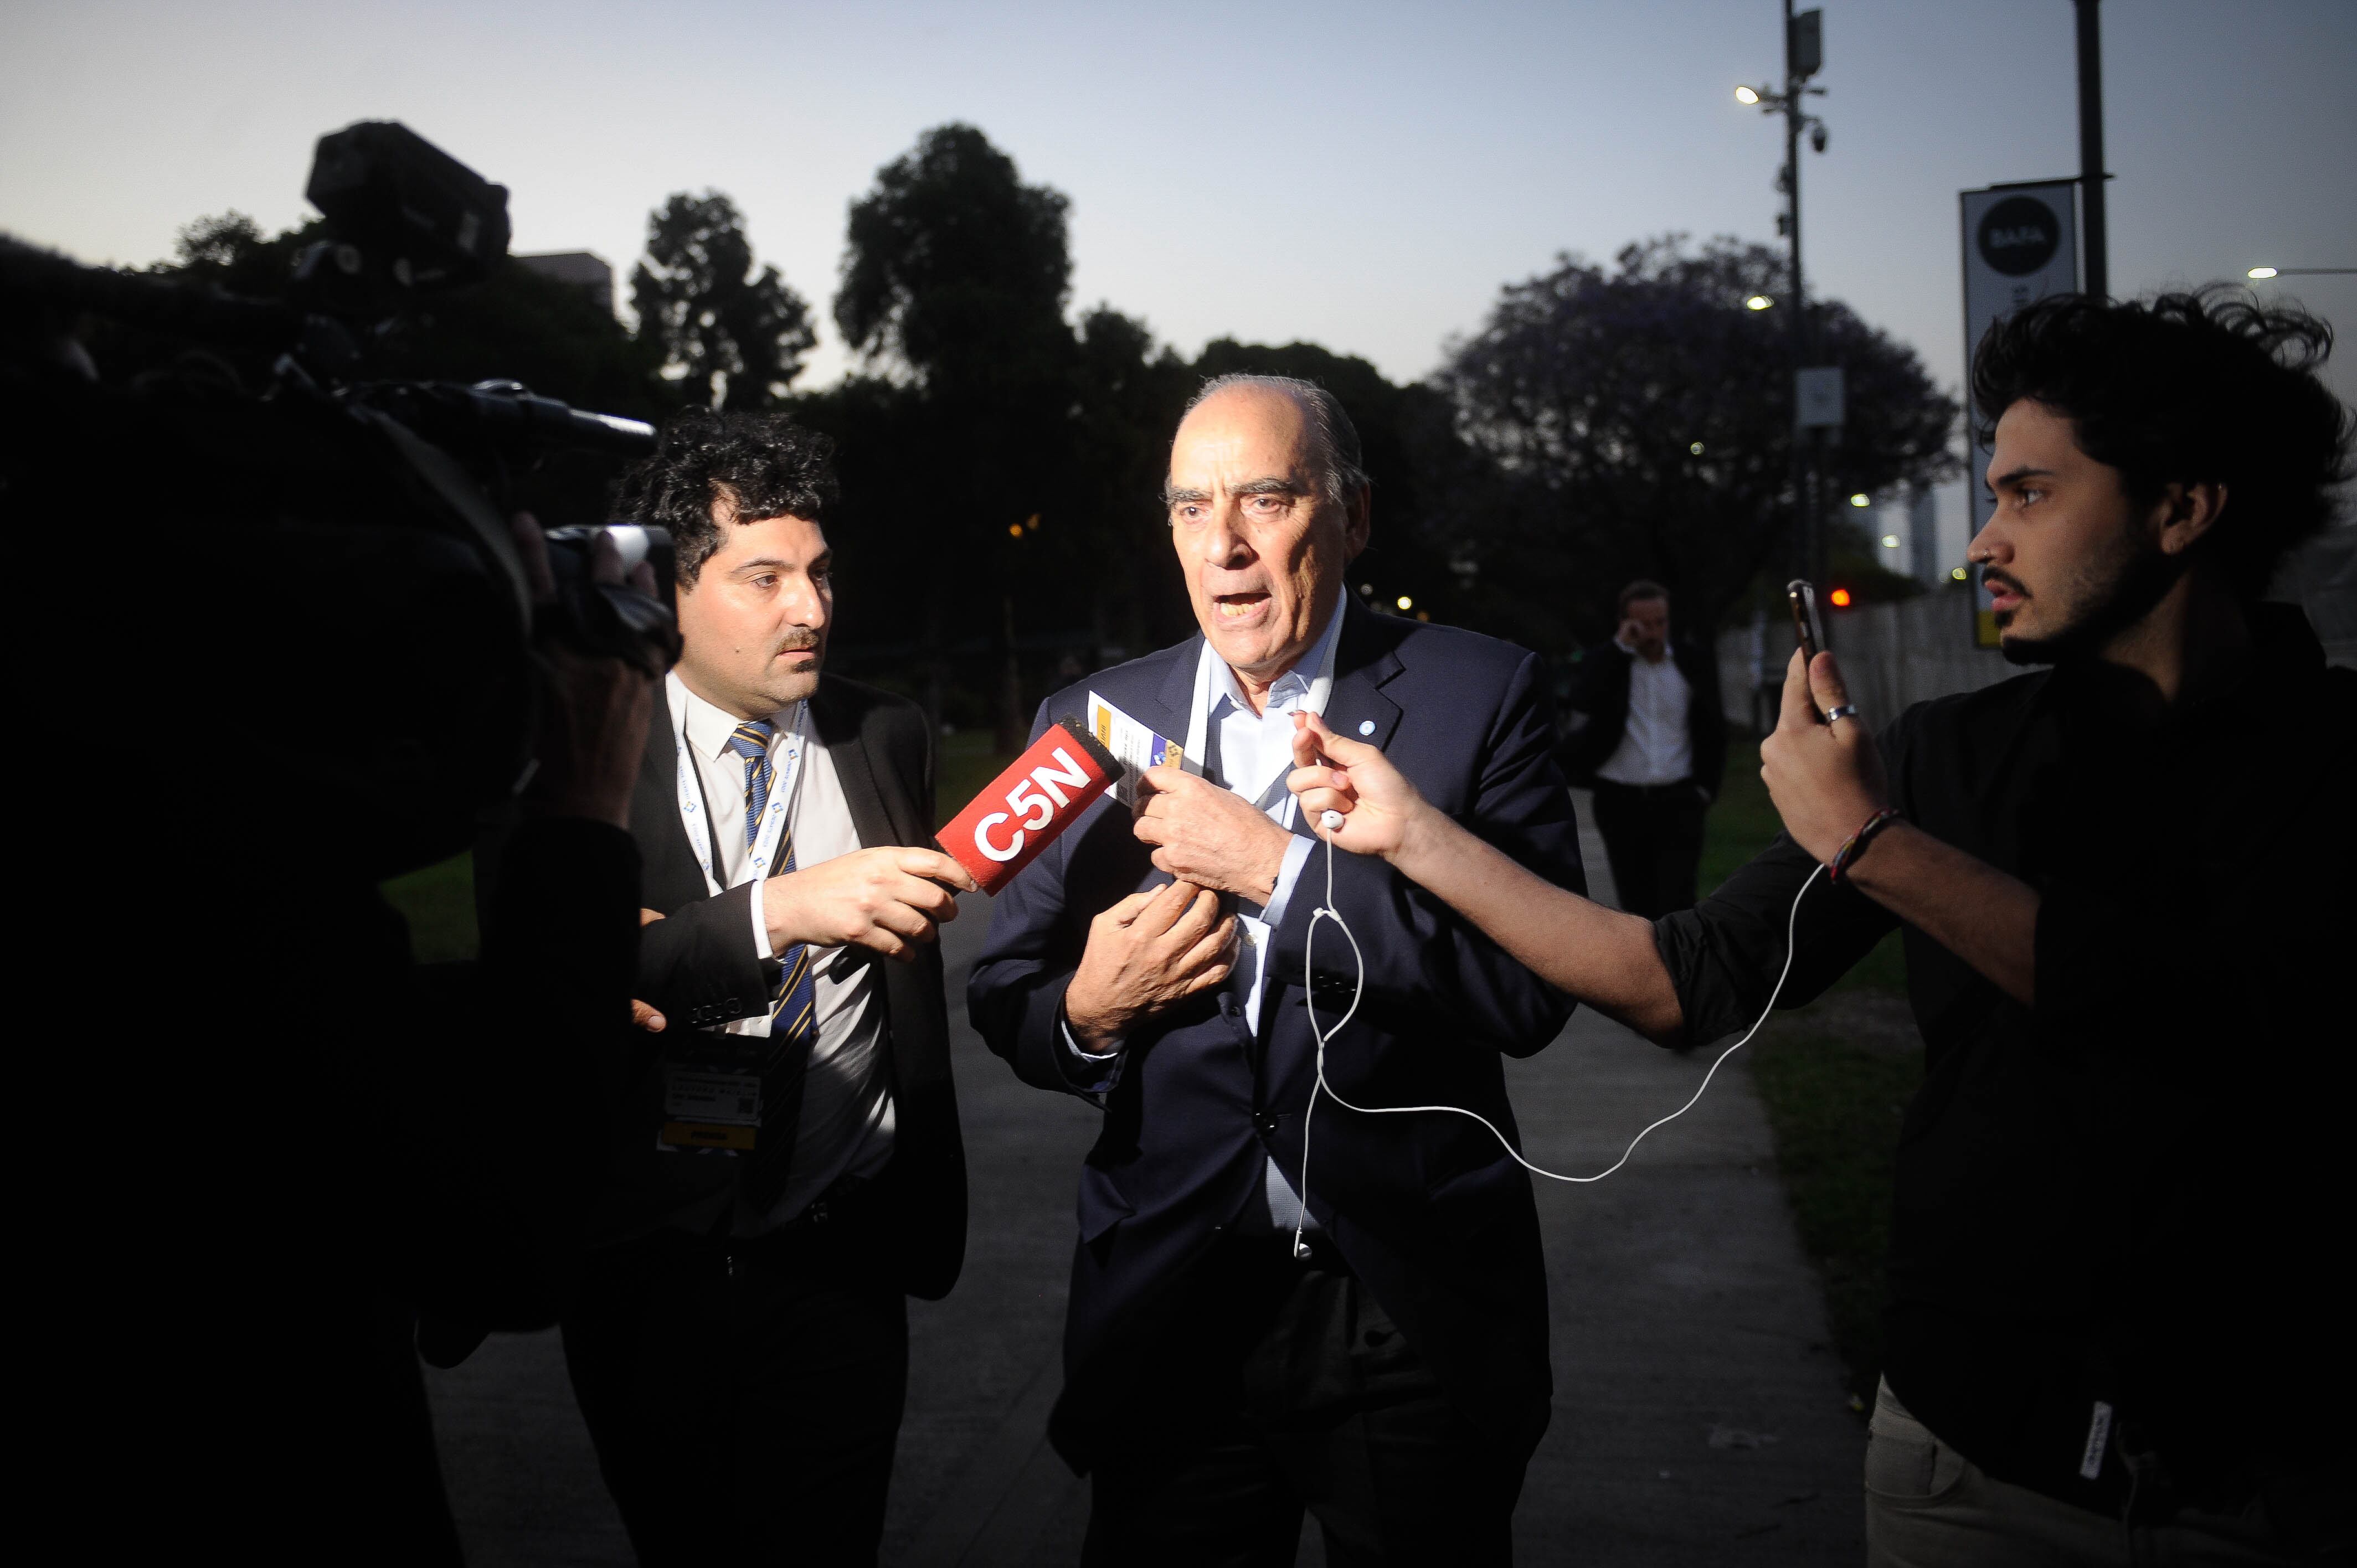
(1640,423)
(955,271)
(733,337)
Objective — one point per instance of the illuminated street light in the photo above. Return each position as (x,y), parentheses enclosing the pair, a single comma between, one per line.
(1695,448)
(1890,542)
(2263,272)
(1747,95)
(1405,603)
(1758,302)
(1958,574)
(1861,499)
(2300,272)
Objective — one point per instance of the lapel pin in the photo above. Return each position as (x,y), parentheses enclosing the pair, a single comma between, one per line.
(1366,726)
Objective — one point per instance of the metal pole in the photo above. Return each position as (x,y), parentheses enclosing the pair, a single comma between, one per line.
(2091,146)
(1805,446)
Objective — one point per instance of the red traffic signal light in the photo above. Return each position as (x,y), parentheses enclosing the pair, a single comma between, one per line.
(1838,598)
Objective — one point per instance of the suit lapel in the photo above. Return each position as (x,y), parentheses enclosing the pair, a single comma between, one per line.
(880,813)
(1365,662)
(1177,693)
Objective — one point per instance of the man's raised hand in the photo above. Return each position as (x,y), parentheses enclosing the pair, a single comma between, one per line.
(1825,779)
(1146,952)
(887,899)
(1203,834)
(1382,811)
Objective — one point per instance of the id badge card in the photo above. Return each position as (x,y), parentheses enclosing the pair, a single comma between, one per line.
(710,1105)
(1135,745)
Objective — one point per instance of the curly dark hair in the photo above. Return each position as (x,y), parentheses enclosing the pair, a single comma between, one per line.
(747,466)
(2209,386)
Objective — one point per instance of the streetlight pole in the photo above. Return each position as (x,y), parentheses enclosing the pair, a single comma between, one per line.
(1804,56)
(1803,491)
(2091,146)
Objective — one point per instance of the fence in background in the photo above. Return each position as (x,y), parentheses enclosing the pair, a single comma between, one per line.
(1897,655)
(1893,655)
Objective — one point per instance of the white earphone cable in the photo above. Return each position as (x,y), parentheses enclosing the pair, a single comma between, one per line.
(1310,950)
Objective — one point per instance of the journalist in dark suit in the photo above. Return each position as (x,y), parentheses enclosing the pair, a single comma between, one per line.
(1391,1375)
(1647,734)
(739,1344)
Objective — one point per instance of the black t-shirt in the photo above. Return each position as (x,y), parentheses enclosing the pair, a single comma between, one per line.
(2128,1194)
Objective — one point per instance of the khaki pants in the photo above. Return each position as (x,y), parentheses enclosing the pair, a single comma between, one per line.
(1927,1506)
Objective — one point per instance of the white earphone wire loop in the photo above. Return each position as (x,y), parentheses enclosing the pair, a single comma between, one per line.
(1310,949)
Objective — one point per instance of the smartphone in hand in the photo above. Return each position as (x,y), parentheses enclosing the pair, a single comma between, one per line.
(1805,625)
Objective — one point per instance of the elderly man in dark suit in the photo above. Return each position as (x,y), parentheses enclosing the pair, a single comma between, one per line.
(1648,735)
(1388,1369)
(793,1170)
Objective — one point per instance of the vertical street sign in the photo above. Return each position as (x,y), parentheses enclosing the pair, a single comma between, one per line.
(1817,399)
(2020,243)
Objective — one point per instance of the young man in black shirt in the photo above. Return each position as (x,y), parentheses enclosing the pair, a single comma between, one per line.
(2114,1332)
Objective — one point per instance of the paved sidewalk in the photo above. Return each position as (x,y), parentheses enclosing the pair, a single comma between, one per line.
(1699,1415)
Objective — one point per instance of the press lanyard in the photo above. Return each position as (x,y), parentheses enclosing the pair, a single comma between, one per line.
(785,773)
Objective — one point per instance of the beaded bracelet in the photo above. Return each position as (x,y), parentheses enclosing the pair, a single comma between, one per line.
(1846,857)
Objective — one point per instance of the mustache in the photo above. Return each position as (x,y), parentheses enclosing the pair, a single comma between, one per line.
(797,642)
(1991,575)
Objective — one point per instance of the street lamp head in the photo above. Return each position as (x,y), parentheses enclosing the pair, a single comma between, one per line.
(2261,272)
(1747,95)
(1861,499)
(1758,302)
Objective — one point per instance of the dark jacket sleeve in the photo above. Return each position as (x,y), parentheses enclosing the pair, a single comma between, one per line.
(1016,995)
(1420,955)
(698,967)
(1595,714)
(1727,954)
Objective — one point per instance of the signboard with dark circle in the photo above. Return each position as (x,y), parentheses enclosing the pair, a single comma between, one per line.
(2019,236)
(2017,243)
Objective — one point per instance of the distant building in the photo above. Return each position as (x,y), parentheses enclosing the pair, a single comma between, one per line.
(579,268)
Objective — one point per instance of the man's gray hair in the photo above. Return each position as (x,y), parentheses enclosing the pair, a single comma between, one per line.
(1334,440)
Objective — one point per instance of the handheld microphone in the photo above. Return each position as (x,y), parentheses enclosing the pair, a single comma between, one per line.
(1022,810)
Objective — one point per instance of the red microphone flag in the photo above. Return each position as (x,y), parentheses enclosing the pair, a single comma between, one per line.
(1003,829)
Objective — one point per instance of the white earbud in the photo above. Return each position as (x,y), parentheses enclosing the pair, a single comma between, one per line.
(1331,821)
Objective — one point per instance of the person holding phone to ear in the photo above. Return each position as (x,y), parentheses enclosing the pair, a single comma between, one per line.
(2123,884)
(1649,736)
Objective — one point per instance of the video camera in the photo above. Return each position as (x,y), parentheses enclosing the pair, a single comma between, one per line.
(344,536)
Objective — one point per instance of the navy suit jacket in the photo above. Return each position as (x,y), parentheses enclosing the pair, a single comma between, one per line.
(1429,1210)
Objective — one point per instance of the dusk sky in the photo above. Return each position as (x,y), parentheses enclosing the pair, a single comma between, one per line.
(1364,177)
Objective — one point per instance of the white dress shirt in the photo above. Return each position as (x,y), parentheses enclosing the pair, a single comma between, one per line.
(1656,748)
(847,1122)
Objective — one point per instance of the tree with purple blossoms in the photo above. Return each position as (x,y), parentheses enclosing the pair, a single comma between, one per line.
(1637,421)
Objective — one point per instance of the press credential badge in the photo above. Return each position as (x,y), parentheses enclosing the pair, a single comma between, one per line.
(708,1110)
(1134,746)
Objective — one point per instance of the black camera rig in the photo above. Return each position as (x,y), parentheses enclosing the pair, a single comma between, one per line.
(358,526)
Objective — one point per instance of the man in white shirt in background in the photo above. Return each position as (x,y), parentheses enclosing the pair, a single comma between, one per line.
(1647,734)
(791,1168)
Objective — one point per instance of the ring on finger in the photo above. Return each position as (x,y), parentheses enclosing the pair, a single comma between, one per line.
(1846,711)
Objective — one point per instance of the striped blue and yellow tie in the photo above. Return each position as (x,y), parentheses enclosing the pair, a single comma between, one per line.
(793,1011)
